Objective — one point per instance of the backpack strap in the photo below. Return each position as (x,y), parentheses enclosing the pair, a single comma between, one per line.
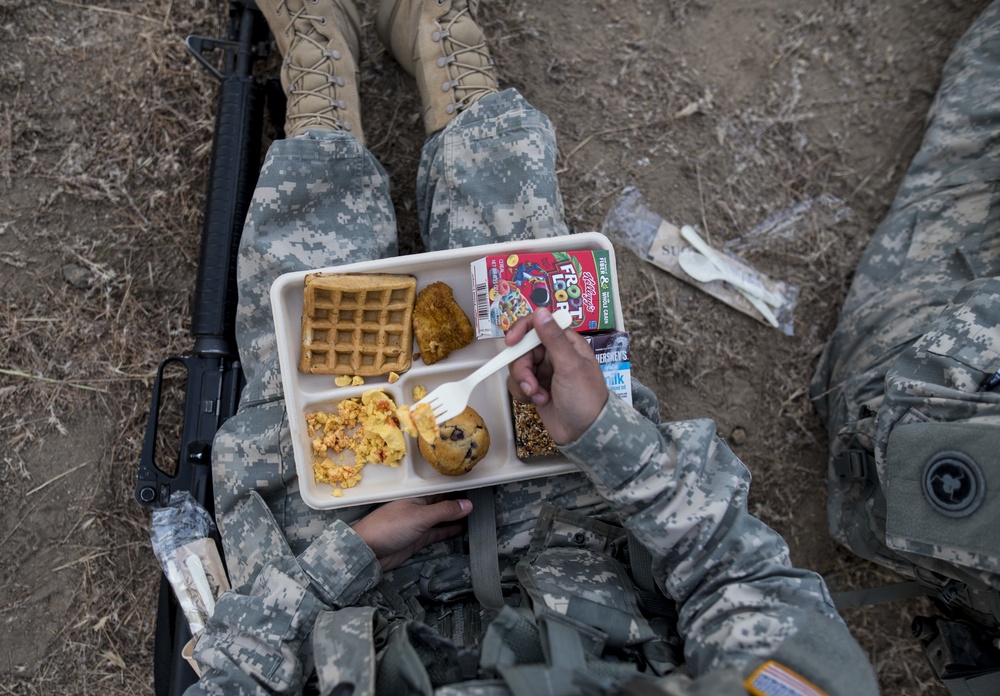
(879,595)
(640,562)
(484,557)
(562,643)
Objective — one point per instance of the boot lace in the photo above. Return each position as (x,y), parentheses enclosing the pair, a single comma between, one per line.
(464,61)
(324,68)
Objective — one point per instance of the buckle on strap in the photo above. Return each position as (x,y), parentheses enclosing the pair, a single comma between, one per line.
(854,463)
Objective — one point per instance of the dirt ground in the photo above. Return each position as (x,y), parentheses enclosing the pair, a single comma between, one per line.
(720,113)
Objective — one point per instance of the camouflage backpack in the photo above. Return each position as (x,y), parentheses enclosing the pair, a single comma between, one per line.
(583,628)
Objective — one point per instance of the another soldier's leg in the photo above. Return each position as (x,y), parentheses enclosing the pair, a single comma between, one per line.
(940,234)
(321,200)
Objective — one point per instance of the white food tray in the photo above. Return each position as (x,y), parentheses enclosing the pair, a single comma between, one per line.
(305,393)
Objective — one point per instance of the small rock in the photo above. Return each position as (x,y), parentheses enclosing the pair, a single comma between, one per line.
(78,276)
(739,436)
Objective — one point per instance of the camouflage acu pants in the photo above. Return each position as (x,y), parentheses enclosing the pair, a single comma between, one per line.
(323,200)
(917,335)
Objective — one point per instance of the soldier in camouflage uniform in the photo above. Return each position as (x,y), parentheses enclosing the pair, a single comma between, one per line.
(613,577)
(914,467)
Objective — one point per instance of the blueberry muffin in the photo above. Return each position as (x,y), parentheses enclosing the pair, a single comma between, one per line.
(461,444)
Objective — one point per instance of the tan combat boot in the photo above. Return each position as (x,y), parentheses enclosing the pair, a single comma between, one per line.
(439,43)
(319,41)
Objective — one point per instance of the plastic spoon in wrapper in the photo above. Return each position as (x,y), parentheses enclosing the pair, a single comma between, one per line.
(701,268)
(714,274)
(449,400)
(717,268)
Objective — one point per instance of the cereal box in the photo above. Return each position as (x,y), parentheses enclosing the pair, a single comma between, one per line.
(510,287)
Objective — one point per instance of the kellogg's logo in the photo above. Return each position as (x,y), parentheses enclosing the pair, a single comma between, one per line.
(589,284)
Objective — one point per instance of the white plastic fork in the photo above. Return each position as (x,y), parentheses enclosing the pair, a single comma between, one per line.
(449,400)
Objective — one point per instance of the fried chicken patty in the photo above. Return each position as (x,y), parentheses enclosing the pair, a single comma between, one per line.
(439,324)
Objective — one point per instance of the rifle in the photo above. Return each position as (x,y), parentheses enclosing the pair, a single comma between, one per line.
(214,375)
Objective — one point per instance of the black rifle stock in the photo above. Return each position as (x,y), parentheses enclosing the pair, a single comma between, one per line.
(214,375)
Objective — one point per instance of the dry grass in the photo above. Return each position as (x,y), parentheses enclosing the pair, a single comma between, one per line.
(103,166)
(115,169)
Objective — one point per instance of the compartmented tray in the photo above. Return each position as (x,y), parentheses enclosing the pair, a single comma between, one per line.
(306,393)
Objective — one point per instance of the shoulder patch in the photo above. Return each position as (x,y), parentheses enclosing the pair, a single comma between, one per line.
(773,679)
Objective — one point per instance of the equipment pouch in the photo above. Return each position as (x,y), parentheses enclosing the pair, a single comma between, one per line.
(943,492)
(568,571)
(942,432)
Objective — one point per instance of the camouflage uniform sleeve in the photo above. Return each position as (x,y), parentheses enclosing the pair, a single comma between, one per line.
(252,644)
(340,565)
(683,493)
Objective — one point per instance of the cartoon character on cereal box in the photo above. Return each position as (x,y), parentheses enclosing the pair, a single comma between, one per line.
(531,279)
(508,305)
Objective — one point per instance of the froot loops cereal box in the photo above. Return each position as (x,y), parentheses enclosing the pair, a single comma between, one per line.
(510,287)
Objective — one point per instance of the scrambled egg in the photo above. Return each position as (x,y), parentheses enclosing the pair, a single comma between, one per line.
(369,427)
(418,421)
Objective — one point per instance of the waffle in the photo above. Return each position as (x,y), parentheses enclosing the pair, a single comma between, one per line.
(355,324)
